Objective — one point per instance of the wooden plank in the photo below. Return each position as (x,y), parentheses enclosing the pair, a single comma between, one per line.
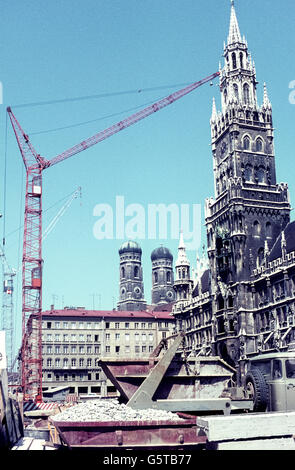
(23,444)
(252,425)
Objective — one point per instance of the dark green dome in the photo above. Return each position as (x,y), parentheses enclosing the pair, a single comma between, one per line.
(161,253)
(130,247)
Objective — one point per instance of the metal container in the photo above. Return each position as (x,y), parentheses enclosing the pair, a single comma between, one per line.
(130,434)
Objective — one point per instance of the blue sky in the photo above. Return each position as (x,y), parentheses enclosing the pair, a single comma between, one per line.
(72,48)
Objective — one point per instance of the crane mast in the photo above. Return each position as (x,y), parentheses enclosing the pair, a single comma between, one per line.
(31,349)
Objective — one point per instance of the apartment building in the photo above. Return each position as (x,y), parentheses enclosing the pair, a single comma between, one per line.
(75,339)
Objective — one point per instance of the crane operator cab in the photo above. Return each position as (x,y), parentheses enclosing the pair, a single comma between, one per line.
(36,186)
(36,278)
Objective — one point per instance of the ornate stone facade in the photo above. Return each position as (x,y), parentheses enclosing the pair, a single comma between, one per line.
(245,302)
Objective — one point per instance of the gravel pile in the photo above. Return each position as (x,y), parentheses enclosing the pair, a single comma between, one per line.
(106,410)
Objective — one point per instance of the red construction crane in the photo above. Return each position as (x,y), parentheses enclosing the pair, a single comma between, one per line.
(31,349)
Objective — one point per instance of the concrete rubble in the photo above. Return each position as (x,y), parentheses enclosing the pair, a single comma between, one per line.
(110,410)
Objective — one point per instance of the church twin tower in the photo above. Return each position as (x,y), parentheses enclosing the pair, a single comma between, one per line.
(131,295)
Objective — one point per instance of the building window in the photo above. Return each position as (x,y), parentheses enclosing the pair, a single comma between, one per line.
(126,325)
(66,325)
(236,91)
(81,362)
(246,92)
(108,336)
(234,60)
(259,145)
(89,362)
(49,362)
(88,338)
(256,228)
(248,173)
(151,337)
(57,349)
(268,230)
(73,349)
(73,325)
(136,325)
(143,337)
(127,337)
(108,349)
(117,349)
(57,363)
(143,349)
(117,325)
(66,337)
(136,271)
(48,325)
(89,349)
(81,337)
(137,349)
(246,143)
(81,350)
(73,338)
(57,324)
(73,362)
(241,60)
(117,336)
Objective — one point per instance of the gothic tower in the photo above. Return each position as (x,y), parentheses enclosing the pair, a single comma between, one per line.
(131,295)
(249,206)
(250,209)
(162,276)
(183,283)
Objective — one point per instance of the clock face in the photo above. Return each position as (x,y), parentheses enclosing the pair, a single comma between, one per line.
(169,295)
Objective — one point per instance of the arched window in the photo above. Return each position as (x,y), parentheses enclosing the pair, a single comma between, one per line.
(234,60)
(246,93)
(268,230)
(183,273)
(257,228)
(246,143)
(241,60)
(156,277)
(248,173)
(136,271)
(259,145)
(123,272)
(236,91)
(260,174)
(168,276)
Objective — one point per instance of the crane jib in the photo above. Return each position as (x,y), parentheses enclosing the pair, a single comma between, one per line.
(133,119)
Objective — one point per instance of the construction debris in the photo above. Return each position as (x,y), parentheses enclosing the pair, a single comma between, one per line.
(111,410)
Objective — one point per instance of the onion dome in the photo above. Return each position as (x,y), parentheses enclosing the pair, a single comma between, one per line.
(161,253)
(130,247)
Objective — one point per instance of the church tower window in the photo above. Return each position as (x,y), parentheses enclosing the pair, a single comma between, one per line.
(241,60)
(257,228)
(236,91)
(246,143)
(246,93)
(234,60)
(259,145)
